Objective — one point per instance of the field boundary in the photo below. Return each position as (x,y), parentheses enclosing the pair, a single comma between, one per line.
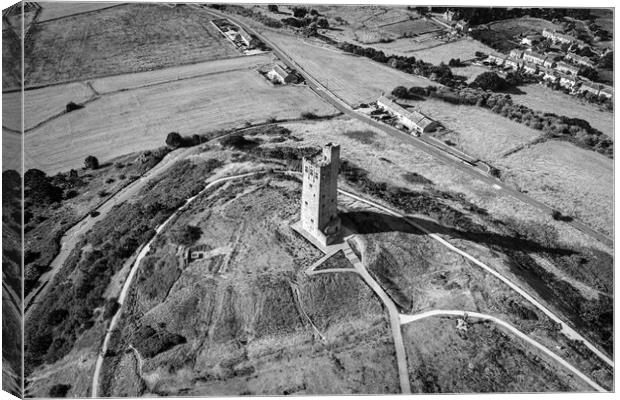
(65,82)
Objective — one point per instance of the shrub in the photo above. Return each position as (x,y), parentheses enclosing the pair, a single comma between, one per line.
(490,81)
(174,140)
(309,115)
(91,162)
(72,107)
(273,8)
(59,390)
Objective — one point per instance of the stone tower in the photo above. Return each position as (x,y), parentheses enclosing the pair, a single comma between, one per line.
(319,195)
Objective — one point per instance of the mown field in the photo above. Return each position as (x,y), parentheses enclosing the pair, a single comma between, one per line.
(576,181)
(478,132)
(140,119)
(465,49)
(485,359)
(129,38)
(411,27)
(542,98)
(354,79)
(45,103)
(53,10)
(11,150)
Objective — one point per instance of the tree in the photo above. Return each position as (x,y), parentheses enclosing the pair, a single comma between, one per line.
(400,92)
(91,162)
(39,187)
(186,235)
(322,23)
(273,8)
(174,140)
(299,12)
(490,81)
(59,390)
(314,12)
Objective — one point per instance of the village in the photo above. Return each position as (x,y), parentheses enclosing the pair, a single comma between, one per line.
(559,65)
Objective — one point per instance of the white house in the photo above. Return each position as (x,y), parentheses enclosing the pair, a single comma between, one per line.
(414,120)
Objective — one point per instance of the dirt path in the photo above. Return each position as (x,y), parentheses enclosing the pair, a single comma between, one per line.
(134,269)
(406,319)
(567,330)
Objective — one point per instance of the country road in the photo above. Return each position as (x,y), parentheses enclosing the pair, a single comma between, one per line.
(406,319)
(422,143)
(134,269)
(567,330)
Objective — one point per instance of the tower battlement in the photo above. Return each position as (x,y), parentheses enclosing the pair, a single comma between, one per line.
(319,195)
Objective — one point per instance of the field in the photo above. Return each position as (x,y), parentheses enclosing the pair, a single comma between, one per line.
(478,132)
(464,49)
(140,119)
(354,79)
(411,27)
(485,359)
(42,104)
(576,181)
(241,316)
(501,34)
(53,10)
(11,150)
(408,46)
(104,43)
(541,98)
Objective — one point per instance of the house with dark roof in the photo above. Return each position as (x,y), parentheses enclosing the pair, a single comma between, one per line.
(567,68)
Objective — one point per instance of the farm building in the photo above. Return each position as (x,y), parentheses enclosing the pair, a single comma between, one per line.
(462,25)
(412,119)
(557,37)
(567,68)
(533,57)
(281,75)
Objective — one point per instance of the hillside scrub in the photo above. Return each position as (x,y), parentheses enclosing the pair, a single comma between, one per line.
(113,239)
(574,130)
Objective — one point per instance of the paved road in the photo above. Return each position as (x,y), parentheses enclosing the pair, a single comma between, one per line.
(405,319)
(567,330)
(422,143)
(134,269)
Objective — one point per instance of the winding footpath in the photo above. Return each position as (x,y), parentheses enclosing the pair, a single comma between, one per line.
(406,319)
(134,269)
(567,330)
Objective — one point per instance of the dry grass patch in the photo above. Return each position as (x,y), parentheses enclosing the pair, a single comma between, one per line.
(140,119)
(354,79)
(576,181)
(52,10)
(128,38)
(542,98)
(464,49)
(485,359)
(42,104)
(478,132)
(11,150)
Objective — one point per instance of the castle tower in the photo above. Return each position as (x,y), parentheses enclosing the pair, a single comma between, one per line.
(319,195)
